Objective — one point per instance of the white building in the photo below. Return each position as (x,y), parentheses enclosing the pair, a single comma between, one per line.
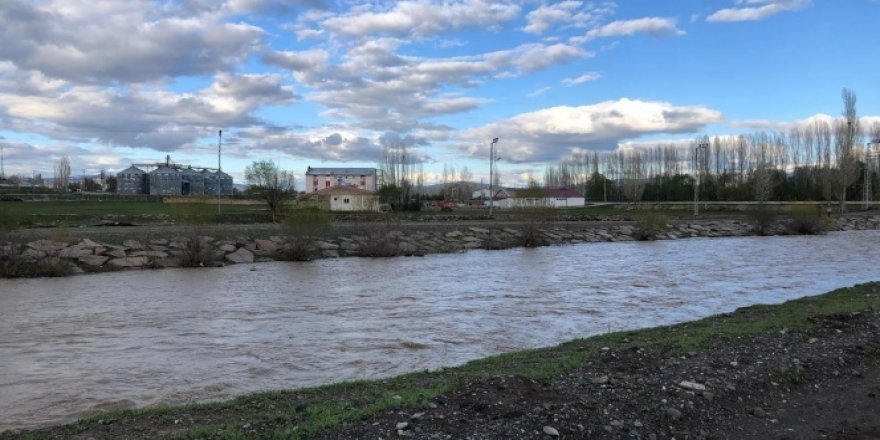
(346,198)
(322,178)
(548,198)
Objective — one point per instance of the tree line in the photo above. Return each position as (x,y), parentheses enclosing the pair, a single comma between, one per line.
(825,159)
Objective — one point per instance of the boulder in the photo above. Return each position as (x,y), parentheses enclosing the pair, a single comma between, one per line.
(242,255)
(93,260)
(153,254)
(267,245)
(86,243)
(129,262)
(133,244)
(46,246)
(116,253)
(74,252)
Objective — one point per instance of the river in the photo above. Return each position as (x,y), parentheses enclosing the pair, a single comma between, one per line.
(71,345)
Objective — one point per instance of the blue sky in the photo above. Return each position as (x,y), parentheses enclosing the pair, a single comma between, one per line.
(333,83)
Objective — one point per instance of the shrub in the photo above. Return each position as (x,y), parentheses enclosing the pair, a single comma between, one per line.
(533,223)
(302,227)
(648,225)
(13,265)
(808,220)
(380,240)
(762,218)
(196,251)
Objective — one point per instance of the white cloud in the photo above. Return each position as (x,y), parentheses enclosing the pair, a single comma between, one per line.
(145,117)
(552,133)
(569,13)
(757,10)
(587,77)
(119,41)
(655,26)
(539,92)
(422,18)
(374,85)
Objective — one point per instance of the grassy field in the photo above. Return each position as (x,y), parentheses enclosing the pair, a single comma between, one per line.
(297,414)
(83,213)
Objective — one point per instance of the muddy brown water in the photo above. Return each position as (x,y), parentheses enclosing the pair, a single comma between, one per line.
(70,346)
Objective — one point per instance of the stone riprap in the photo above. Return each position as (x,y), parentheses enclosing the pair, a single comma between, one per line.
(87,255)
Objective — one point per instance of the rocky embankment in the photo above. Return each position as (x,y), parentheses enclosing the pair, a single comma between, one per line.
(196,249)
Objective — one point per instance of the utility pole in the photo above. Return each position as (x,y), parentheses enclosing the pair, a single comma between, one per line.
(2,163)
(869,155)
(700,146)
(492,175)
(219,170)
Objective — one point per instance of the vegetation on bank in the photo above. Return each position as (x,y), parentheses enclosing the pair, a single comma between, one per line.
(301,413)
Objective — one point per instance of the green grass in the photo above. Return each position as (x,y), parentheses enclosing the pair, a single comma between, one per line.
(296,414)
(90,212)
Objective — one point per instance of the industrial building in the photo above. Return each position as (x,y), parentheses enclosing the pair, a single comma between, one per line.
(172,179)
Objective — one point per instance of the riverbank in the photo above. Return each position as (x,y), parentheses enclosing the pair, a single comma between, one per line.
(808,368)
(65,252)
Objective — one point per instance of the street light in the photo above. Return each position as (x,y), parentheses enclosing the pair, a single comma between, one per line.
(868,156)
(219,143)
(700,146)
(492,160)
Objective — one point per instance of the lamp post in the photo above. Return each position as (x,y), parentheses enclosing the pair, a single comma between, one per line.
(492,159)
(700,146)
(219,143)
(869,154)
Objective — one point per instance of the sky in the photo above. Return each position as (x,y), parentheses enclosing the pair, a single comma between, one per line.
(327,83)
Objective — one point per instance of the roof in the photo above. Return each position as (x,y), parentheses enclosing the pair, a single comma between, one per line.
(335,171)
(564,192)
(165,169)
(342,190)
(551,193)
(132,170)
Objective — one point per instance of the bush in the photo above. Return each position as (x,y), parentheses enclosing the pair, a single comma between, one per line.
(302,227)
(380,240)
(808,220)
(648,225)
(534,221)
(762,218)
(13,265)
(196,252)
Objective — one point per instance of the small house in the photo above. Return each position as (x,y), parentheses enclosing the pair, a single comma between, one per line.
(346,198)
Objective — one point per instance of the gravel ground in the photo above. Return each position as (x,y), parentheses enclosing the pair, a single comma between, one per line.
(817,384)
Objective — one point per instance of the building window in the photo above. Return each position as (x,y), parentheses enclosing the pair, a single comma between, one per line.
(346,201)
(327,184)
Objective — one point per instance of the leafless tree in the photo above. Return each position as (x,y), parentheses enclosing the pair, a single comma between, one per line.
(62,173)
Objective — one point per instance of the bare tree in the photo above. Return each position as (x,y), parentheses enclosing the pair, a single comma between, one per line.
(62,173)
(274,185)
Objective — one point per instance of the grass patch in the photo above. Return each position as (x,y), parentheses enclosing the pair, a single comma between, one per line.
(93,212)
(300,413)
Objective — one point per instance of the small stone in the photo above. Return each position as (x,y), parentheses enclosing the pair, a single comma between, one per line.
(734,364)
(403,433)
(417,416)
(242,255)
(601,380)
(759,412)
(673,413)
(616,423)
(402,425)
(551,431)
(688,385)
(812,341)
